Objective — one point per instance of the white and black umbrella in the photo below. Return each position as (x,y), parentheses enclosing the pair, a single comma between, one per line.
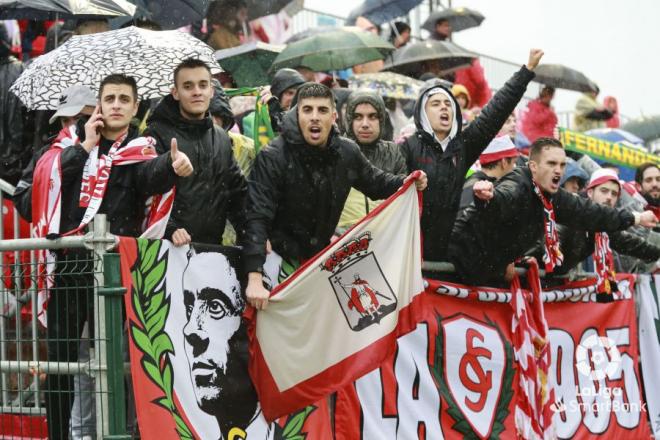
(148,56)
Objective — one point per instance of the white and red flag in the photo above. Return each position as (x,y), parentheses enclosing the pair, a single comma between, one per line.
(338,316)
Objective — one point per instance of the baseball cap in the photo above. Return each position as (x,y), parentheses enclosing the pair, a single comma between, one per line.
(73,100)
(601,176)
(499,148)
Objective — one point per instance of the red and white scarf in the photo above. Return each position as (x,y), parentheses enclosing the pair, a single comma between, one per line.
(531,343)
(603,262)
(47,194)
(552,256)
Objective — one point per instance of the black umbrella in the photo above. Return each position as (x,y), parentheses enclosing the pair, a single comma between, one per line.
(459,18)
(381,11)
(54,9)
(648,128)
(562,77)
(407,59)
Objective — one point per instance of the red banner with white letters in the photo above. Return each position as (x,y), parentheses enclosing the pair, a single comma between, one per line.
(456,376)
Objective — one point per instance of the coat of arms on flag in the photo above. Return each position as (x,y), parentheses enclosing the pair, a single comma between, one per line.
(341,312)
(364,300)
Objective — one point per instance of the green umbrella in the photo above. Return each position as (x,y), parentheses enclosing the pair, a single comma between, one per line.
(387,84)
(648,128)
(335,50)
(249,63)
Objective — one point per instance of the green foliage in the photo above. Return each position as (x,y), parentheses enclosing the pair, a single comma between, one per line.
(151,307)
(294,424)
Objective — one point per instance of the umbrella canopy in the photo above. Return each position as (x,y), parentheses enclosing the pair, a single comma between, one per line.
(148,56)
(647,128)
(334,50)
(387,84)
(459,18)
(51,9)
(381,11)
(261,8)
(407,59)
(615,135)
(562,77)
(249,63)
(318,30)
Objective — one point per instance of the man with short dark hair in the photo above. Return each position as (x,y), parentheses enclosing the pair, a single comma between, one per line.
(523,208)
(576,245)
(217,189)
(299,184)
(647,177)
(97,166)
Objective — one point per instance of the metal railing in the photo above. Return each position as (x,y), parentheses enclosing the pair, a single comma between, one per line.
(38,364)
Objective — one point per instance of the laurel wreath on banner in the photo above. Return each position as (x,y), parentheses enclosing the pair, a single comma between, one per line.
(294,423)
(502,410)
(151,306)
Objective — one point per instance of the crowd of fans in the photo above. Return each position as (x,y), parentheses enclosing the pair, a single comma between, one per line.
(331,162)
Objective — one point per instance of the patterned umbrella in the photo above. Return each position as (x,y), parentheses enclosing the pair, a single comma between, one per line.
(148,56)
(54,9)
(387,84)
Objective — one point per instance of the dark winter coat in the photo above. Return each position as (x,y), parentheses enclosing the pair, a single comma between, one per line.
(12,149)
(577,245)
(467,196)
(217,189)
(446,170)
(493,234)
(297,193)
(128,187)
(381,153)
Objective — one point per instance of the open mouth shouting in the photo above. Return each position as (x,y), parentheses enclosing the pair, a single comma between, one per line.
(315,133)
(555,183)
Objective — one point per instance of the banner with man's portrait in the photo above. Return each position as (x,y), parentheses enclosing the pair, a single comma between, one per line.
(189,350)
(454,376)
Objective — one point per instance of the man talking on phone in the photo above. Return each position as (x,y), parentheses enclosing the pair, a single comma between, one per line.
(98,166)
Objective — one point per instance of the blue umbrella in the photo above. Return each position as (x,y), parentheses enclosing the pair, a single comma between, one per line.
(381,11)
(615,135)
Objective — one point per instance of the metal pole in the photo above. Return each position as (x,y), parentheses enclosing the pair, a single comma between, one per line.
(114,292)
(4,396)
(34,292)
(18,291)
(99,234)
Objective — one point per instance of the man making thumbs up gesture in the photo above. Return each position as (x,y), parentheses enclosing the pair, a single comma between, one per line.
(215,191)
(180,162)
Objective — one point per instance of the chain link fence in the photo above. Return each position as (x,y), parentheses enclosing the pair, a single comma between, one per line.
(62,345)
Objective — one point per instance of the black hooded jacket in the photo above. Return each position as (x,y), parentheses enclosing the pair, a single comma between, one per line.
(216,190)
(127,191)
(576,245)
(446,170)
(381,153)
(491,235)
(12,136)
(297,193)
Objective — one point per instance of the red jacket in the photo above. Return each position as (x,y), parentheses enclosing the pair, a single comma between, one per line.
(474,80)
(538,120)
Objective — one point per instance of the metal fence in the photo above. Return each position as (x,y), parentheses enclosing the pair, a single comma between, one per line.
(72,369)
